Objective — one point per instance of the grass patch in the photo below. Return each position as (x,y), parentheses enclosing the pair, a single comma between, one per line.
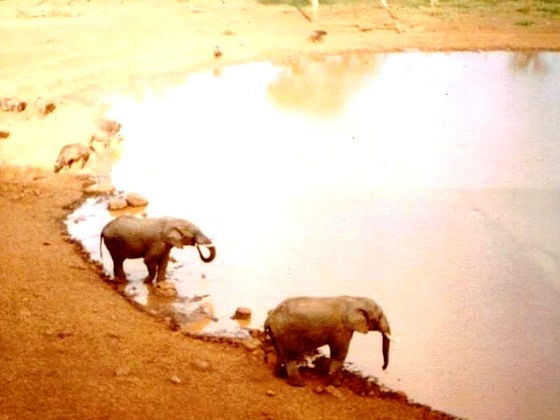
(524,23)
(529,8)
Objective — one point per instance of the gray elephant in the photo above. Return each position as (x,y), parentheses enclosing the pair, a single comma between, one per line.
(70,154)
(152,239)
(300,324)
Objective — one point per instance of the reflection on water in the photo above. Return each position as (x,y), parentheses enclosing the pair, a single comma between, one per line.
(429,182)
(321,87)
(528,61)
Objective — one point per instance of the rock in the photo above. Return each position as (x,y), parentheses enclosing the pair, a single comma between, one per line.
(251,344)
(122,371)
(117,204)
(242,313)
(175,379)
(270,393)
(102,188)
(201,365)
(165,289)
(136,200)
(25,312)
(335,392)
(64,334)
(319,389)
(166,285)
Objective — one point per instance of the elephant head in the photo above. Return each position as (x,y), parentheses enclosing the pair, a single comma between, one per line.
(181,232)
(363,315)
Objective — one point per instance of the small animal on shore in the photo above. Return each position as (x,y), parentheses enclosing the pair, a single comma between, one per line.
(129,237)
(110,126)
(301,324)
(44,107)
(106,133)
(12,105)
(317,35)
(70,154)
(104,138)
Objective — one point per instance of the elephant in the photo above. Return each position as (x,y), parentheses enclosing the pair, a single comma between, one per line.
(71,153)
(300,324)
(152,239)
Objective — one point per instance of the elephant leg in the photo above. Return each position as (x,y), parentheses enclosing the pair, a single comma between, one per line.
(294,378)
(151,265)
(279,364)
(290,358)
(118,269)
(162,266)
(339,351)
(279,368)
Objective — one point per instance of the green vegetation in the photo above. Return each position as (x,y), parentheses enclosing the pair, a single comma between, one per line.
(448,8)
(524,23)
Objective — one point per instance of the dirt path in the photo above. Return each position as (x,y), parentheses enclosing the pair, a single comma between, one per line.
(70,347)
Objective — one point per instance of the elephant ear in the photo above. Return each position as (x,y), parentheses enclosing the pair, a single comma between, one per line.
(173,237)
(356,318)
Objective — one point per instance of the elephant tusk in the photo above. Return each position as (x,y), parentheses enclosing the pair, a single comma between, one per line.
(390,337)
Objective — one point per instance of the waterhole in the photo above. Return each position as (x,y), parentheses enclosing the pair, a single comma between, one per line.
(429,182)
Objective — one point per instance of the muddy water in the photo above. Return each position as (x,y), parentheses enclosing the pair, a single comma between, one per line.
(429,182)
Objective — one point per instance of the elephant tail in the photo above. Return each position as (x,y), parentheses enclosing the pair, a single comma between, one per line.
(101,237)
(269,335)
(268,340)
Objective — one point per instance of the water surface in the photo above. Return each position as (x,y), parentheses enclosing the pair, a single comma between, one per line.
(428,182)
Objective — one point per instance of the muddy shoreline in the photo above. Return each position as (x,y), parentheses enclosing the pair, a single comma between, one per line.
(256,344)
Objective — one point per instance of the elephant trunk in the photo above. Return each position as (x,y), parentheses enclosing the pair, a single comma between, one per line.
(211,248)
(385,330)
(386,344)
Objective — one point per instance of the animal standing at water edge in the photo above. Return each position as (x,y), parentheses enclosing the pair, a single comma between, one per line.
(300,324)
(70,154)
(106,133)
(129,237)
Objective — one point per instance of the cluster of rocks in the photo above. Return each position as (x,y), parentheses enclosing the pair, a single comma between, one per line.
(121,202)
